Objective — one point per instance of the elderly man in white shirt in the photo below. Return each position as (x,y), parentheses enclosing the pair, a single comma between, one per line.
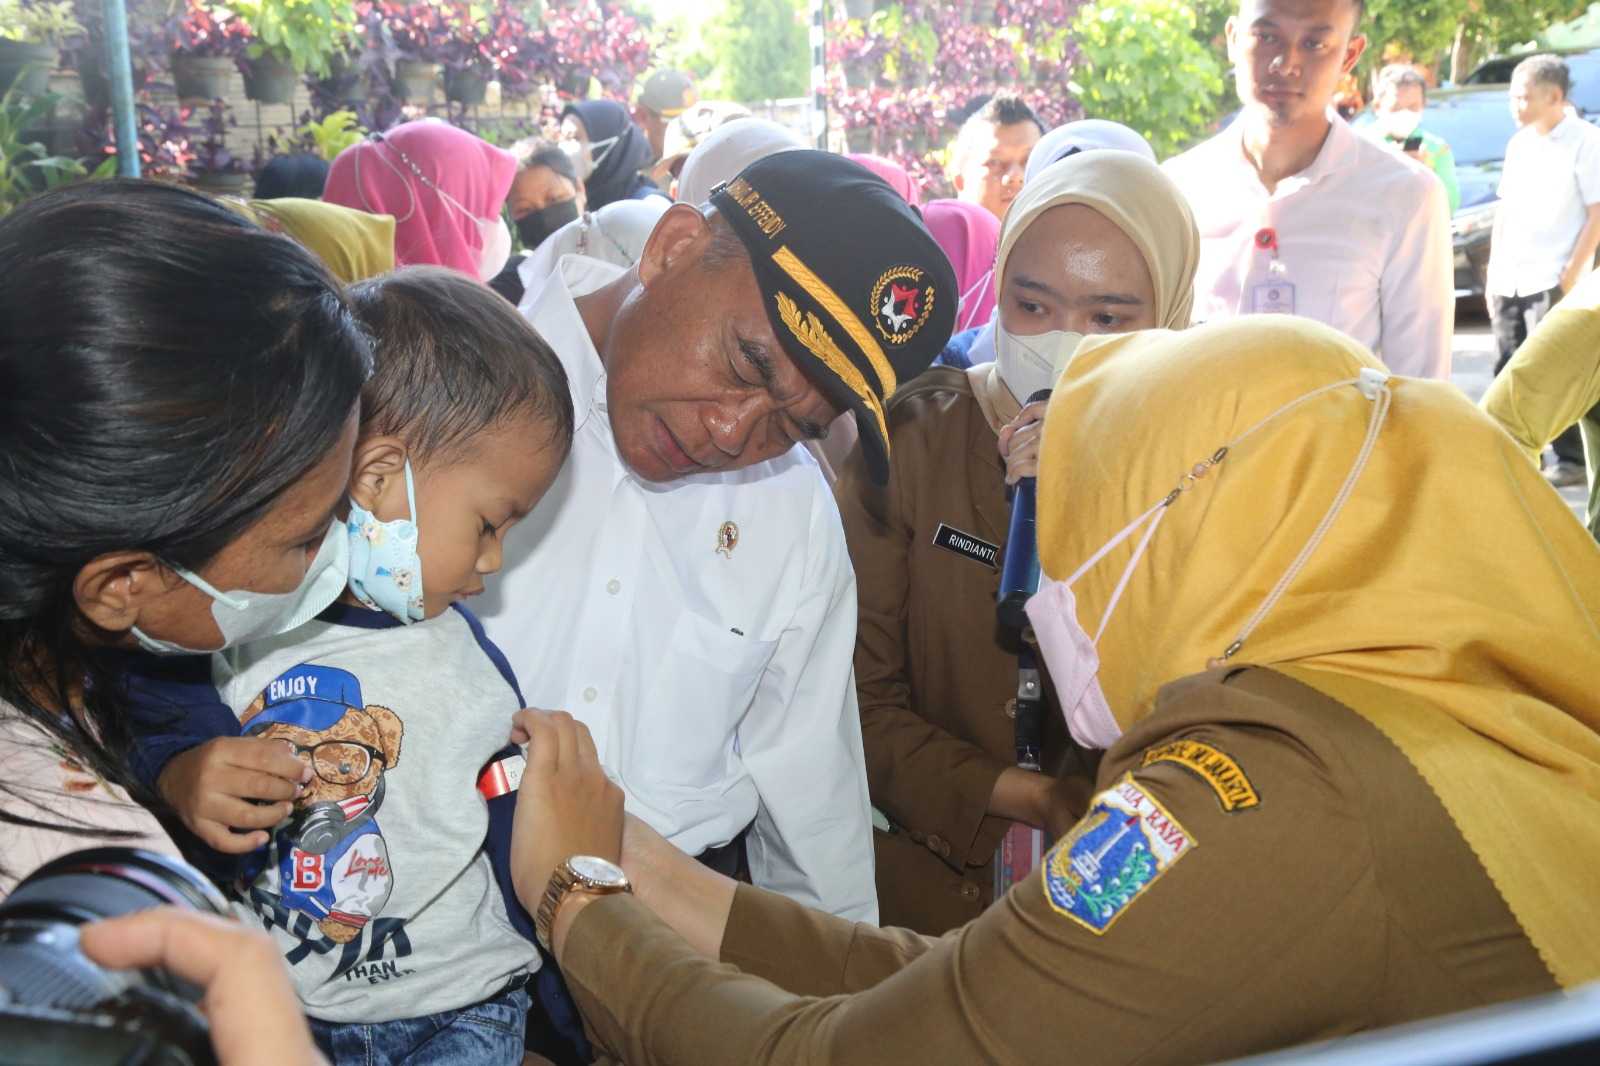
(1548,222)
(685,589)
(1300,215)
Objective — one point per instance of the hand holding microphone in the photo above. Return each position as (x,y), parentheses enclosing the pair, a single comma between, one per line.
(1019,439)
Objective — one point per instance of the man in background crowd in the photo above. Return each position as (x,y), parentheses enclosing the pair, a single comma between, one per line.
(990,154)
(1299,215)
(1396,124)
(1548,225)
(666,95)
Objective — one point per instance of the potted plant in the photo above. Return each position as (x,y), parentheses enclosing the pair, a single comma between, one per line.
(212,167)
(206,47)
(26,166)
(415,32)
(31,35)
(292,37)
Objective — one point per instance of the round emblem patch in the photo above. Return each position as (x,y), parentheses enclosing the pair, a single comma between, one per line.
(902,300)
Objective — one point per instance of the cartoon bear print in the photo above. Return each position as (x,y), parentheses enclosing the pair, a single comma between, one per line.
(333,863)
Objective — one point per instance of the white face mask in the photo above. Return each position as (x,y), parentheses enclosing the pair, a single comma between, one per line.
(245,615)
(1071,654)
(1399,124)
(1029,364)
(496,250)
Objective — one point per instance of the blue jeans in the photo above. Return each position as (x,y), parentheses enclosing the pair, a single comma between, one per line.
(484,1034)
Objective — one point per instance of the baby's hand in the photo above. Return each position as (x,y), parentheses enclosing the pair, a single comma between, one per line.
(210,787)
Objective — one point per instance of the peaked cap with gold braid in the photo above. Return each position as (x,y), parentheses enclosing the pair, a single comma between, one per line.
(858,292)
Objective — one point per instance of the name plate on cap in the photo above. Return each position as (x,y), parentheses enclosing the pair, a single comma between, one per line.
(965,544)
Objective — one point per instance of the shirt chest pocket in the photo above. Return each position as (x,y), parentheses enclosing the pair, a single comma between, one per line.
(698,694)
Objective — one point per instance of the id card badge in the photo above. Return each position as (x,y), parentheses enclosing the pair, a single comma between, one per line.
(1272,298)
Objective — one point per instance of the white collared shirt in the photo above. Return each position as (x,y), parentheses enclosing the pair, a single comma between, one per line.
(1548,183)
(1363,235)
(717,683)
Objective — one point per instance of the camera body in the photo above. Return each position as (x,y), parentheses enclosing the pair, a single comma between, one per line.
(56,1006)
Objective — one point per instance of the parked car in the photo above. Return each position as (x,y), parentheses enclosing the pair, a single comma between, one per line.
(1476,122)
(1583,64)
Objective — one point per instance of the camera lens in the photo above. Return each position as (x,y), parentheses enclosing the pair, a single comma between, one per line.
(58,1006)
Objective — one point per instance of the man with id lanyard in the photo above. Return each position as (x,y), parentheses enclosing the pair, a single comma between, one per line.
(1299,215)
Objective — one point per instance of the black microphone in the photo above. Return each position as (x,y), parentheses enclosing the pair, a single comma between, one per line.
(1019,579)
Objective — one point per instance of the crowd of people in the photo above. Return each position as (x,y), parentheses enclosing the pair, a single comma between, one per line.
(723,766)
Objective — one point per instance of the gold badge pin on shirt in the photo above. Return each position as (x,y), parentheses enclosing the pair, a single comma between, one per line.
(727,539)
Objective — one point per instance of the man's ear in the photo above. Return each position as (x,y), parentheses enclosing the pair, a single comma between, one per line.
(111,588)
(378,478)
(679,237)
(1230,36)
(1354,51)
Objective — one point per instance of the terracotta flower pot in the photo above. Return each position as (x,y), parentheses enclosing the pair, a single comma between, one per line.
(414,78)
(201,79)
(270,80)
(27,66)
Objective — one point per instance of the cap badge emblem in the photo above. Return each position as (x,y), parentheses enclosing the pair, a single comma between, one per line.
(902,300)
(727,539)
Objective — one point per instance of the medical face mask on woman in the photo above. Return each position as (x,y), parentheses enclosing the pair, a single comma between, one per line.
(538,226)
(385,569)
(1071,654)
(1028,364)
(245,615)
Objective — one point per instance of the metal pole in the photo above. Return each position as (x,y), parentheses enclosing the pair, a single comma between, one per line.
(819,76)
(119,70)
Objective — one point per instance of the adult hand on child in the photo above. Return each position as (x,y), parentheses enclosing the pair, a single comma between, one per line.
(1019,442)
(566,805)
(210,787)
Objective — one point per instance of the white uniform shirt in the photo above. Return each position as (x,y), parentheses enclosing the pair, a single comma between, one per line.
(1548,183)
(718,684)
(1364,236)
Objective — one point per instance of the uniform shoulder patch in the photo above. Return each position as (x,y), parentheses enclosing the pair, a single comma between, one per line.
(1110,858)
(1216,768)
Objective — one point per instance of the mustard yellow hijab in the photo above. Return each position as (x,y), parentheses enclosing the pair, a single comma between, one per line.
(1454,601)
(354,245)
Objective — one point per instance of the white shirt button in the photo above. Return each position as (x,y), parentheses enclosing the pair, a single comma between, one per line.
(589,694)
(613,586)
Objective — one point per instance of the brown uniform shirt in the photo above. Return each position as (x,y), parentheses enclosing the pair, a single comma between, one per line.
(1321,889)
(935,672)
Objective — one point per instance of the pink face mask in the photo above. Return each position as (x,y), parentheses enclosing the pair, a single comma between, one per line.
(1071,654)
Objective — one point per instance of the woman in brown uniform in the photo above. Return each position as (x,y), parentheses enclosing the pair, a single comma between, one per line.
(1347,642)
(1102,242)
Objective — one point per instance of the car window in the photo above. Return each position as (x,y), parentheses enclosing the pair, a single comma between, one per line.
(1494,72)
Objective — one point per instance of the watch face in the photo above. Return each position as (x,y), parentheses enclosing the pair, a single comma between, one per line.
(600,871)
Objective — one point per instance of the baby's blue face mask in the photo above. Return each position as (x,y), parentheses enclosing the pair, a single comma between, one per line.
(385,570)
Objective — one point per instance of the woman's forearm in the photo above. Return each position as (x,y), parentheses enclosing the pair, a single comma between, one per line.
(694,900)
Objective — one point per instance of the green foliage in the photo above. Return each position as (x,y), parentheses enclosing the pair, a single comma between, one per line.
(38,21)
(1140,63)
(333,134)
(306,34)
(761,49)
(26,166)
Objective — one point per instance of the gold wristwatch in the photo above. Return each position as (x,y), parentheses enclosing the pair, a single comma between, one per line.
(581,873)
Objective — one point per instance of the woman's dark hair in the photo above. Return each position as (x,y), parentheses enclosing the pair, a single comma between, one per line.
(551,157)
(167,371)
(301,174)
(453,358)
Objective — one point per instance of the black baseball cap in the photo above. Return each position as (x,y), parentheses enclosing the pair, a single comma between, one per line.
(858,292)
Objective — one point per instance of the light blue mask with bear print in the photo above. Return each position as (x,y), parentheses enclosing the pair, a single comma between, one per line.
(385,570)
